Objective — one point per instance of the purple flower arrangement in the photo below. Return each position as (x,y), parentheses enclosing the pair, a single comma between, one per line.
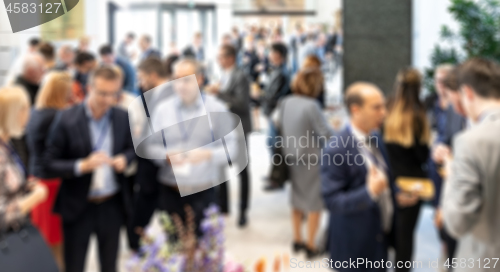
(177,249)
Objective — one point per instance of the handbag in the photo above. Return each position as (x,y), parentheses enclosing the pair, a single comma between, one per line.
(25,250)
(279,171)
(423,186)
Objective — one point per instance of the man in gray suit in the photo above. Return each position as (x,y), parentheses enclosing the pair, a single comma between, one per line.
(234,89)
(470,206)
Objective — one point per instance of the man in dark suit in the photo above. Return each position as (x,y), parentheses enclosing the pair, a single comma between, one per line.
(276,87)
(152,75)
(89,147)
(278,84)
(356,184)
(29,79)
(234,90)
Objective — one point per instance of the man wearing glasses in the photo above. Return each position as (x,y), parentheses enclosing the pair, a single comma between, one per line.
(89,147)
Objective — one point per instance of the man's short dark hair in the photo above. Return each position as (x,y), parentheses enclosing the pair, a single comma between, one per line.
(280,48)
(353,99)
(482,75)
(105,50)
(83,57)
(451,80)
(169,64)
(131,35)
(106,72)
(46,49)
(34,41)
(152,65)
(229,50)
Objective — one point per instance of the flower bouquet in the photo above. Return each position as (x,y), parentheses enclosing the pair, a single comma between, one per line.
(177,248)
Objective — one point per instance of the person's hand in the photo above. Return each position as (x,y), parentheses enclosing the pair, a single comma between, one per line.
(440,152)
(259,67)
(212,89)
(119,163)
(438,219)
(447,167)
(198,155)
(40,191)
(93,161)
(406,199)
(376,182)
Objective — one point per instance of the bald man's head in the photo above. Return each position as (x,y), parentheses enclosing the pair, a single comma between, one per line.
(356,92)
(365,103)
(33,68)
(186,87)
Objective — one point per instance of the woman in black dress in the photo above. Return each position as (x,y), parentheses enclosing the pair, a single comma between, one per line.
(407,137)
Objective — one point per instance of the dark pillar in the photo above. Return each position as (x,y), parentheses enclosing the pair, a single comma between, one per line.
(377,40)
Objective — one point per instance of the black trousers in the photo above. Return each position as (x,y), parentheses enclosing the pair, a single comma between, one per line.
(171,202)
(223,193)
(406,220)
(104,220)
(450,242)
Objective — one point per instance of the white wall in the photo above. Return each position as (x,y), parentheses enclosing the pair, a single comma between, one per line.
(428,18)
(325,10)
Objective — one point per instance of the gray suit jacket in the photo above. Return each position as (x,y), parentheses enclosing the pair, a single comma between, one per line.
(237,97)
(471,202)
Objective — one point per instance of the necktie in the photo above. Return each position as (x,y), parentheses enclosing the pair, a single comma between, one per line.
(384,200)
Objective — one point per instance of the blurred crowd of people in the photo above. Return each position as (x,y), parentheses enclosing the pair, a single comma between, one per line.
(67,156)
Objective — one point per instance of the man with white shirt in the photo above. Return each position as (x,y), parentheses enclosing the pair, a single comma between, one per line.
(185,146)
(234,90)
(356,183)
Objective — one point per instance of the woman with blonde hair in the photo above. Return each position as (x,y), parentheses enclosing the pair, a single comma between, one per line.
(53,96)
(17,195)
(407,136)
(299,117)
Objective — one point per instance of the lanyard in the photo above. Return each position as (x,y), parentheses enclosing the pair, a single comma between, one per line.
(185,131)
(102,135)
(15,156)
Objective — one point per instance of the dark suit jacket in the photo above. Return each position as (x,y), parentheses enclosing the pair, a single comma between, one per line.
(68,141)
(355,225)
(277,88)
(237,97)
(36,136)
(146,199)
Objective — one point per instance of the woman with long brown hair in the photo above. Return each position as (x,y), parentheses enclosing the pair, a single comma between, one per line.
(54,95)
(407,137)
